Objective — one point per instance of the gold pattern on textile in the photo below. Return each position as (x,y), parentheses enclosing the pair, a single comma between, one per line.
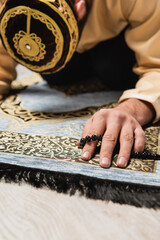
(52,147)
(59,148)
(32,37)
(152,134)
(13,107)
(29,45)
(152,139)
(64,148)
(151,145)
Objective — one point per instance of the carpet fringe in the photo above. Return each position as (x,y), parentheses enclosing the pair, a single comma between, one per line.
(118,192)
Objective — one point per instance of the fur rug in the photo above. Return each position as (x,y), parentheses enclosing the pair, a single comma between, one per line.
(30,213)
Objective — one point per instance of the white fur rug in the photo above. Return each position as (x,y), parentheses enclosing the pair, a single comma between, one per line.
(30,213)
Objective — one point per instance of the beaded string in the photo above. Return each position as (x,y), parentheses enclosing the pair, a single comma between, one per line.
(143,155)
(83,141)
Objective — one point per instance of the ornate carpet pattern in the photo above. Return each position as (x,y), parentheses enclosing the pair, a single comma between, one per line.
(40,127)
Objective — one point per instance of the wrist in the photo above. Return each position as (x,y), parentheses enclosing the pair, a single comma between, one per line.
(142,111)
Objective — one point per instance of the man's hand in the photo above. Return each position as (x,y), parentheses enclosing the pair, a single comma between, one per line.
(123,123)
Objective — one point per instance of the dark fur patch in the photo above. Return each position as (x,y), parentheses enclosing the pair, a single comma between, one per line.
(123,193)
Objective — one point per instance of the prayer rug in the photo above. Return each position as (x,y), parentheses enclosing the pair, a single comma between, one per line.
(40,127)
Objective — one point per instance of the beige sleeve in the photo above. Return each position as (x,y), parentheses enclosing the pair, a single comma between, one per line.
(7,71)
(143,37)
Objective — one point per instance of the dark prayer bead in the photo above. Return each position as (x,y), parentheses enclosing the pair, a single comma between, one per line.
(154,156)
(133,154)
(158,157)
(82,142)
(88,138)
(145,155)
(99,137)
(94,137)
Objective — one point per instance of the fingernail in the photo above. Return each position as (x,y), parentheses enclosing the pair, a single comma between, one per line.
(86,155)
(122,161)
(105,162)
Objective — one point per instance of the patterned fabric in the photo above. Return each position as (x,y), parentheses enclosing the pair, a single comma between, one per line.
(40,128)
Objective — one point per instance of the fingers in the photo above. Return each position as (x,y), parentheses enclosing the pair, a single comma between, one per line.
(126,144)
(139,140)
(95,127)
(113,125)
(128,137)
(108,144)
(86,129)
